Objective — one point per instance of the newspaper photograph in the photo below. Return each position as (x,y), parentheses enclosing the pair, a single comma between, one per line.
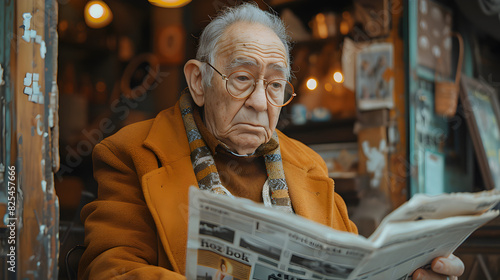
(235,238)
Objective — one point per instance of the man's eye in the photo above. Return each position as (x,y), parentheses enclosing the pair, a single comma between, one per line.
(242,78)
(276,85)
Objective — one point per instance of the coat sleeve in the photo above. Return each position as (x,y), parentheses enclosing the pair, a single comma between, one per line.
(120,234)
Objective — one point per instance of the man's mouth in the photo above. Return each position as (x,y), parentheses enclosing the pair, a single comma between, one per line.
(252,124)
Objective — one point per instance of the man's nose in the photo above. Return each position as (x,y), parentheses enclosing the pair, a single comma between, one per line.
(258,99)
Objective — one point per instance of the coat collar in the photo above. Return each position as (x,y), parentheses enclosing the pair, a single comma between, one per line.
(167,136)
(166,189)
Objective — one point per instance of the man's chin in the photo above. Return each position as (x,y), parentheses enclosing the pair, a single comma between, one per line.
(247,145)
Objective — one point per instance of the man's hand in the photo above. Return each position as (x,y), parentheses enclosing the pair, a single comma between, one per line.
(442,268)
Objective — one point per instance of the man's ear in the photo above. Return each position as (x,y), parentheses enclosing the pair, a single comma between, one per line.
(192,72)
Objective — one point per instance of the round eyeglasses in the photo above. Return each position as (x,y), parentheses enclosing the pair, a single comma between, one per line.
(240,84)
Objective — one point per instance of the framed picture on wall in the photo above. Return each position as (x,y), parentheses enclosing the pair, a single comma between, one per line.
(482,113)
(375,77)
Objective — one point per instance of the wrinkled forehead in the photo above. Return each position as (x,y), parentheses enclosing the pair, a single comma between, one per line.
(249,62)
(251,43)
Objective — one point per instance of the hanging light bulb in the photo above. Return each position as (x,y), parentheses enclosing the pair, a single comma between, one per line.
(338,77)
(312,83)
(97,14)
(169,3)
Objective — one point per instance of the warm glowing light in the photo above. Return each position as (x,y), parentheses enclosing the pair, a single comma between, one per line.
(97,14)
(100,86)
(96,10)
(312,84)
(169,3)
(347,23)
(338,77)
(62,26)
(321,25)
(344,27)
(328,87)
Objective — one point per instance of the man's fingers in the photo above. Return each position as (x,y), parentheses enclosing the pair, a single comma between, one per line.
(442,269)
(451,265)
(422,274)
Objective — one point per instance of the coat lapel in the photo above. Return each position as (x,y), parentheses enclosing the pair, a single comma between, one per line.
(311,198)
(167,137)
(166,193)
(166,188)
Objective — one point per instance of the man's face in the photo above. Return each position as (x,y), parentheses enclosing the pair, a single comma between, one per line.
(245,124)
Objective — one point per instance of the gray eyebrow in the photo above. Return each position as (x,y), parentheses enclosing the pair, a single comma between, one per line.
(240,61)
(278,67)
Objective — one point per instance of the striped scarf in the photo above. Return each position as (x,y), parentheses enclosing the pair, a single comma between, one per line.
(275,190)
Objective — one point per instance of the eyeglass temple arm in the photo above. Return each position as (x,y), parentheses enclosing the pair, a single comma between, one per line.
(222,75)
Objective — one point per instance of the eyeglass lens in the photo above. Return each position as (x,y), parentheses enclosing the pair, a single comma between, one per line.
(241,84)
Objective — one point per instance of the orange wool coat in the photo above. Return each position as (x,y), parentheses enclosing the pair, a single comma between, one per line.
(137,227)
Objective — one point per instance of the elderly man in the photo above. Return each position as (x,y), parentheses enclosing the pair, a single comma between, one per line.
(221,137)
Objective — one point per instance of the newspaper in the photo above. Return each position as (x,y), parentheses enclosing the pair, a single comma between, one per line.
(235,238)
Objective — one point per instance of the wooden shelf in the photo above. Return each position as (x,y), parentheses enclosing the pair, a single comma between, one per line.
(337,131)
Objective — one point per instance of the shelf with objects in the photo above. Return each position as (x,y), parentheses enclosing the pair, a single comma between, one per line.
(345,61)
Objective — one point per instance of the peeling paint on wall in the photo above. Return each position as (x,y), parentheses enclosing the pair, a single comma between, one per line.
(30,34)
(32,88)
(2,82)
(39,125)
(30,102)
(376,161)
(53,104)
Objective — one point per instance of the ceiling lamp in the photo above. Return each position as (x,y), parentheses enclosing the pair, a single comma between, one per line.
(97,14)
(338,77)
(169,3)
(311,84)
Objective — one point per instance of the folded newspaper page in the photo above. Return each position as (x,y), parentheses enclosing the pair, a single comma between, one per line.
(235,238)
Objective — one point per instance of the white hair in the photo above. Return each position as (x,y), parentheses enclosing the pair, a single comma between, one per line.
(246,12)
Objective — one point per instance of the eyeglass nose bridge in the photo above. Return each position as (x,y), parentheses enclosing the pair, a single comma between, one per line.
(265,83)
